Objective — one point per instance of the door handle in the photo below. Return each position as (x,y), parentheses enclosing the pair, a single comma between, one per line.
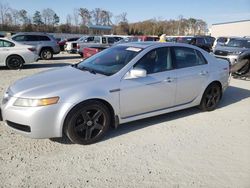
(203,73)
(169,80)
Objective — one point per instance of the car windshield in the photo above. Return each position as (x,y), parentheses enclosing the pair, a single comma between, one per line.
(109,61)
(239,43)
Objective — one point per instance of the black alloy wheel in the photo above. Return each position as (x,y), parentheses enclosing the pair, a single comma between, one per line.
(87,123)
(14,62)
(211,98)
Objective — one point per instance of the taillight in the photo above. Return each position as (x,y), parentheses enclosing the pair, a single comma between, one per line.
(78,46)
(32,49)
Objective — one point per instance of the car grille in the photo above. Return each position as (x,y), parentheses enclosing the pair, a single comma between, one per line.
(17,126)
(220,52)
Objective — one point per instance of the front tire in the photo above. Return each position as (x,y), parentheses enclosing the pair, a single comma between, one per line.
(46,54)
(87,122)
(14,62)
(211,97)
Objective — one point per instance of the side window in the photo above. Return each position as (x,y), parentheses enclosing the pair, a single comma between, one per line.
(97,40)
(32,38)
(43,38)
(200,41)
(104,40)
(157,60)
(111,40)
(6,44)
(20,38)
(188,57)
(1,44)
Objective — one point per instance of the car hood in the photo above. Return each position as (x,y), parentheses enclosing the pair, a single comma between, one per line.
(52,82)
(229,49)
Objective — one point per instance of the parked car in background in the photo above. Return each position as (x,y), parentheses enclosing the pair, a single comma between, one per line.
(202,43)
(14,55)
(184,39)
(232,49)
(45,44)
(221,41)
(62,43)
(208,39)
(121,84)
(99,41)
(88,52)
(137,39)
(71,47)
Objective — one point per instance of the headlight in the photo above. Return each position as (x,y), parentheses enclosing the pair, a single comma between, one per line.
(24,102)
(236,53)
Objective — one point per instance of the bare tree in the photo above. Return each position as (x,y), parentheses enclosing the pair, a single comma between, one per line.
(121,18)
(69,19)
(96,14)
(23,16)
(4,9)
(48,16)
(85,15)
(15,16)
(76,16)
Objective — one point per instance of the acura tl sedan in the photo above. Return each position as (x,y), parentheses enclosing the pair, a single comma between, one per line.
(124,83)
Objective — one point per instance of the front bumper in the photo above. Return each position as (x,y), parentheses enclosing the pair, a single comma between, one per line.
(35,122)
(232,59)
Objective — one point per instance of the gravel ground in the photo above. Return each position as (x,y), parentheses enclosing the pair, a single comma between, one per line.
(181,149)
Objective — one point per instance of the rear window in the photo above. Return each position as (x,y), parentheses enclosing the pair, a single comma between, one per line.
(20,38)
(4,43)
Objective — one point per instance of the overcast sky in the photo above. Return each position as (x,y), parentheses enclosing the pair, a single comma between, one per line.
(213,11)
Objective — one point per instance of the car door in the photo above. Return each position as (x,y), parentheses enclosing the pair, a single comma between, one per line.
(192,71)
(154,92)
(2,52)
(5,50)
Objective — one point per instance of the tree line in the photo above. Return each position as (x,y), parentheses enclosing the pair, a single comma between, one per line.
(78,21)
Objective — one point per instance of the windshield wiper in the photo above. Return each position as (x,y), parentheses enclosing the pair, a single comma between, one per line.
(87,69)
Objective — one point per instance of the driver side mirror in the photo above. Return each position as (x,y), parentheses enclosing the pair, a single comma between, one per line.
(135,73)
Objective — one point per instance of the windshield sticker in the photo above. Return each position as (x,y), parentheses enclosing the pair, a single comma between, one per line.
(133,49)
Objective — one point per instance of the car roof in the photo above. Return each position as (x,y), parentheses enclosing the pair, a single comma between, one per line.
(147,44)
(142,45)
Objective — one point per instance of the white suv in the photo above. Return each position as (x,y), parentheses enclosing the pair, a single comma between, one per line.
(45,44)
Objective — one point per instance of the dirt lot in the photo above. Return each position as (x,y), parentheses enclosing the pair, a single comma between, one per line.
(181,149)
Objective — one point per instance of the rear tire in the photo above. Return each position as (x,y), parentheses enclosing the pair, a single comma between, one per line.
(14,62)
(46,54)
(87,122)
(211,97)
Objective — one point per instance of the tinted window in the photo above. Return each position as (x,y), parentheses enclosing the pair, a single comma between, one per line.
(20,38)
(43,38)
(111,40)
(222,39)
(157,60)
(4,43)
(32,38)
(200,41)
(188,57)
(73,39)
(104,40)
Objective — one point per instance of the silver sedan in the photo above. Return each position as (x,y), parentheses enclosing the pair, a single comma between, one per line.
(121,84)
